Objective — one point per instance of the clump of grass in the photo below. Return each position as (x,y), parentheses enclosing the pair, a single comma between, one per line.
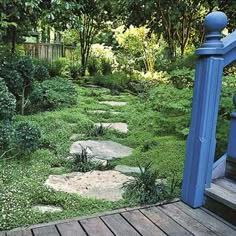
(146,188)
(84,163)
(96,131)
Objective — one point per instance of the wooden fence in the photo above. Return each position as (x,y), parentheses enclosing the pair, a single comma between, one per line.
(49,51)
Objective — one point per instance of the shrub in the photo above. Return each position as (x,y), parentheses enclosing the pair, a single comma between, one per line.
(182,78)
(27,137)
(19,79)
(74,69)
(41,73)
(116,81)
(106,67)
(6,132)
(92,67)
(7,102)
(51,94)
(145,188)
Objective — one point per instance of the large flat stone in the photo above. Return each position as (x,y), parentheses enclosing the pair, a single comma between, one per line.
(122,127)
(128,169)
(105,185)
(47,208)
(103,111)
(114,103)
(106,150)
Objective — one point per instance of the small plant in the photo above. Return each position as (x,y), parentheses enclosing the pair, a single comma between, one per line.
(27,137)
(84,163)
(146,188)
(96,130)
(148,145)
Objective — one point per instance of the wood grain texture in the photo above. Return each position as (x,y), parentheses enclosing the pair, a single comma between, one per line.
(225,183)
(47,230)
(186,221)
(119,225)
(142,224)
(71,228)
(207,220)
(96,227)
(222,195)
(169,226)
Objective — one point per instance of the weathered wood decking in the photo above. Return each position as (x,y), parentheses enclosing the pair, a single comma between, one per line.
(170,219)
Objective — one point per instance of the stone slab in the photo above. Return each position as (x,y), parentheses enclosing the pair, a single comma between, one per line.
(106,150)
(103,111)
(47,208)
(104,185)
(113,103)
(122,127)
(128,169)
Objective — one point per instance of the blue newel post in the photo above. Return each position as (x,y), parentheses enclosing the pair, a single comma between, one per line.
(201,140)
(231,152)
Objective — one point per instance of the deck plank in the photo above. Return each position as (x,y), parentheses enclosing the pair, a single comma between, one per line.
(119,225)
(96,227)
(226,183)
(207,220)
(168,225)
(47,230)
(71,228)
(142,224)
(19,233)
(185,220)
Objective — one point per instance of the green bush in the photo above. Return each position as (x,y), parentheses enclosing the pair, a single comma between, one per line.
(6,132)
(41,73)
(93,67)
(116,81)
(106,68)
(27,137)
(7,102)
(19,77)
(54,93)
(182,78)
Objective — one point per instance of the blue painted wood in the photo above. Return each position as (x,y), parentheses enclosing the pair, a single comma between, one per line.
(201,140)
(231,151)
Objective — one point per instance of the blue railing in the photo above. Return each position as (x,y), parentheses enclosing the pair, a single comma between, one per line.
(213,56)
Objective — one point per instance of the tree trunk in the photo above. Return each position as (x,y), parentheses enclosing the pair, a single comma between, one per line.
(13,40)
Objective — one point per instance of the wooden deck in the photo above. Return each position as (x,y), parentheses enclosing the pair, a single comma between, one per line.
(175,219)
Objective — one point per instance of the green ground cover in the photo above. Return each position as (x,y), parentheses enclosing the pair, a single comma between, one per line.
(22,185)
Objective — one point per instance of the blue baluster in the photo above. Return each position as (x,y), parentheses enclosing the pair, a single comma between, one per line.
(231,152)
(201,140)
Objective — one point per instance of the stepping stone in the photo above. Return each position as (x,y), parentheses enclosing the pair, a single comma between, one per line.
(128,169)
(103,111)
(47,208)
(122,127)
(114,103)
(74,137)
(105,150)
(104,185)
(92,86)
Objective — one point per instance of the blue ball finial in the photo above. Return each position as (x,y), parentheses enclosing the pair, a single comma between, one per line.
(214,23)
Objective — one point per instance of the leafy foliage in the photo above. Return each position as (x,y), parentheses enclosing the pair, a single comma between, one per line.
(50,94)
(7,102)
(27,137)
(41,73)
(145,188)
